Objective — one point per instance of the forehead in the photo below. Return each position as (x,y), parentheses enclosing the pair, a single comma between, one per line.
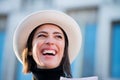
(49,28)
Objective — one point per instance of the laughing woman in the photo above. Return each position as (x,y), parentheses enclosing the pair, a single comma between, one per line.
(46,42)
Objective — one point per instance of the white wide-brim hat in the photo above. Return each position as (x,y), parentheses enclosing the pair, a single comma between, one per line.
(29,23)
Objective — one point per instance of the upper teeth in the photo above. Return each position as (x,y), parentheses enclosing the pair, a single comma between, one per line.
(48,51)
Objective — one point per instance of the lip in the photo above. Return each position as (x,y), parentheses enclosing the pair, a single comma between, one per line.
(49,49)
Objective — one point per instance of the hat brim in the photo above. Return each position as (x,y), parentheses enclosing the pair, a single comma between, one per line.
(28,24)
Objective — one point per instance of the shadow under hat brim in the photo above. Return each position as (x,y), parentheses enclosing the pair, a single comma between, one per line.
(29,23)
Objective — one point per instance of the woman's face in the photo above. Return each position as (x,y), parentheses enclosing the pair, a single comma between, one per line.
(48,46)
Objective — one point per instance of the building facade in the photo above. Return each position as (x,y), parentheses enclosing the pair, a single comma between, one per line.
(99,21)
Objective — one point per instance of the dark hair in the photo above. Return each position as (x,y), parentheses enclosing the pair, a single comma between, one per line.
(65,61)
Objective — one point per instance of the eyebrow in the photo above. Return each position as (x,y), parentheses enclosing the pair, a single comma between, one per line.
(44,32)
(57,33)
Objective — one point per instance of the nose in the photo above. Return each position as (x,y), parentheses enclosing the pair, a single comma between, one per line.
(50,41)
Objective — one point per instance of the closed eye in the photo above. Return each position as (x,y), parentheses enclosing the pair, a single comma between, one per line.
(41,36)
(59,37)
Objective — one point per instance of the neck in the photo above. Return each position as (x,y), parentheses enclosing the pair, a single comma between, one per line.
(48,74)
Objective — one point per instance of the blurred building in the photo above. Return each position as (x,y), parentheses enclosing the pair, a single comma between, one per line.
(99,21)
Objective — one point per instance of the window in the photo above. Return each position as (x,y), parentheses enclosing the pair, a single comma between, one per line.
(2,38)
(3,19)
(115,51)
(89,50)
(116,1)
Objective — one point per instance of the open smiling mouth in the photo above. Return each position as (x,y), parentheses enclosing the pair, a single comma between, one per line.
(49,52)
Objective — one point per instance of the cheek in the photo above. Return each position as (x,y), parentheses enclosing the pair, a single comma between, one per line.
(62,47)
(35,51)
(36,45)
